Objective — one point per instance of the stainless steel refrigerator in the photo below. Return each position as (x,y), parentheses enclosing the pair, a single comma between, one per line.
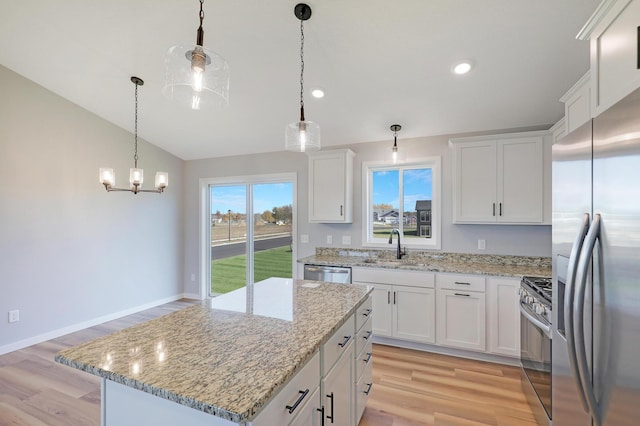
(596,271)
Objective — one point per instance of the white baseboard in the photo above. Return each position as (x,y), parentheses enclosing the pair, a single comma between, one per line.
(194,296)
(21,344)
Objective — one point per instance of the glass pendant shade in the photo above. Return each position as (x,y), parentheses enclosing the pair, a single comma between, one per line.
(162,180)
(136,177)
(302,136)
(196,77)
(107,176)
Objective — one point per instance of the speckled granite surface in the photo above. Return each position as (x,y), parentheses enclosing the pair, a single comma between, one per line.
(223,362)
(462,263)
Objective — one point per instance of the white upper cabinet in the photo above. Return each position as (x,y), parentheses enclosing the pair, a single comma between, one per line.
(331,186)
(577,104)
(499,179)
(615,67)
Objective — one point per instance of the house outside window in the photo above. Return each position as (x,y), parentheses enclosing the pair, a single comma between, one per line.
(404,197)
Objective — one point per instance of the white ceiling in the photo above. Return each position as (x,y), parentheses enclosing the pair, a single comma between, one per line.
(380,61)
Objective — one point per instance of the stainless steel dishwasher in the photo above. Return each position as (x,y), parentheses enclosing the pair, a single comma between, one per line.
(332,274)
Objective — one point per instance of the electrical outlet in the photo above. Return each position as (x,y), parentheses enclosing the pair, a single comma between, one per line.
(304,238)
(346,240)
(14,316)
(482,244)
(329,239)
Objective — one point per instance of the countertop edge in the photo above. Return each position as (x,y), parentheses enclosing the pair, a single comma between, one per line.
(248,415)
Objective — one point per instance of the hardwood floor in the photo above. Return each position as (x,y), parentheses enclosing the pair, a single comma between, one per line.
(410,387)
(419,388)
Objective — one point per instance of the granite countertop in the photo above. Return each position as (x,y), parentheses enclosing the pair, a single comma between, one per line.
(461,263)
(227,356)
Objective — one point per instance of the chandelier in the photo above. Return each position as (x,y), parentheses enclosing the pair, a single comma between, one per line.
(136,175)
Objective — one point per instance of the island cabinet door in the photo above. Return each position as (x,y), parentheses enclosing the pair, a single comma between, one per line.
(294,398)
(337,391)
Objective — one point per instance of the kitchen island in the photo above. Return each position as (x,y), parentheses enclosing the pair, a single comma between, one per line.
(218,363)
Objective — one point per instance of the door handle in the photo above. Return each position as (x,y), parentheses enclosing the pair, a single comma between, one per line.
(500,209)
(578,315)
(388,297)
(461,294)
(330,396)
(345,341)
(321,410)
(569,293)
(303,394)
(341,210)
(494,209)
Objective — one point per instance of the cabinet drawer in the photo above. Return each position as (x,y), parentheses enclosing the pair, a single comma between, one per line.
(364,359)
(337,344)
(363,388)
(460,282)
(393,276)
(363,313)
(364,335)
(301,388)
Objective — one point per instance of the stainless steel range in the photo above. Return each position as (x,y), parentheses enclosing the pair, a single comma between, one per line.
(535,345)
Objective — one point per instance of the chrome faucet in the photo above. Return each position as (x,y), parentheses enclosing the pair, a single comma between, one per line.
(399,253)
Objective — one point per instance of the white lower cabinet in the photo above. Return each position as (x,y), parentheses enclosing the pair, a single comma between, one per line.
(461,312)
(294,398)
(503,316)
(363,388)
(337,390)
(403,303)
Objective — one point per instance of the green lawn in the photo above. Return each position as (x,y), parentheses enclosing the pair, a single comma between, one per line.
(230,273)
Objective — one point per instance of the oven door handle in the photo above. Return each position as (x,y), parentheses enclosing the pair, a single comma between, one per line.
(578,315)
(545,328)
(569,295)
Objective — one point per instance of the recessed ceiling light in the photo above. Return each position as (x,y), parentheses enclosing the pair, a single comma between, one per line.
(462,68)
(317,93)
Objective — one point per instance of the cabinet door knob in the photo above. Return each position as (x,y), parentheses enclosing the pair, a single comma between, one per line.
(368,358)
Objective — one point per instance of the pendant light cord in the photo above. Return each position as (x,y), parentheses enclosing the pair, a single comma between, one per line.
(135,132)
(301,70)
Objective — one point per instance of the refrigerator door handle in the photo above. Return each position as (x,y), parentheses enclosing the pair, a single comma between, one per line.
(578,315)
(569,293)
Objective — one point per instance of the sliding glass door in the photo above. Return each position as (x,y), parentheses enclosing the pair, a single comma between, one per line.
(251,231)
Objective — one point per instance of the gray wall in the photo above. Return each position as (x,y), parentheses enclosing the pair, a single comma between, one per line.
(70,252)
(507,240)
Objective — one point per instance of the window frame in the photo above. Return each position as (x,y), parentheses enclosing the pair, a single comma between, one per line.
(204,228)
(368,167)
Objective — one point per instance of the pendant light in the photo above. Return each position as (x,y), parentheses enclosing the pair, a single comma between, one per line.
(136,175)
(395,128)
(196,77)
(303,135)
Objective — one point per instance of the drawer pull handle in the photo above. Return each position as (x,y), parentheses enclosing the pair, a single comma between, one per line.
(330,396)
(368,358)
(303,394)
(462,294)
(367,312)
(345,341)
(321,410)
(368,389)
(367,335)
(461,283)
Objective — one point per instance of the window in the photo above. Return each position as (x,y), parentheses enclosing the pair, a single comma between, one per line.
(404,197)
